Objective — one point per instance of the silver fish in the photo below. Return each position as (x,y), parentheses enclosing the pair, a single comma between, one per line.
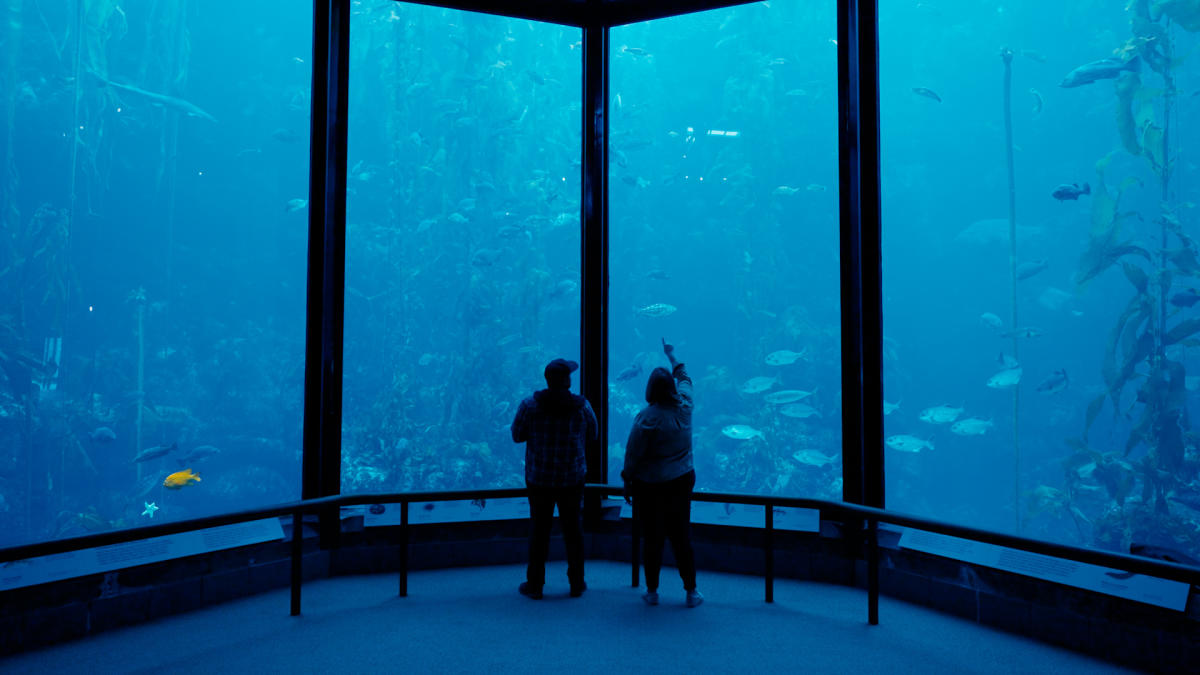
(1010,377)
(756,385)
(813,458)
(1056,382)
(799,411)
(972,426)
(657,309)
(907,443)
(1104,69)
(783,357)
(787,396)
(941,414)
(741,432)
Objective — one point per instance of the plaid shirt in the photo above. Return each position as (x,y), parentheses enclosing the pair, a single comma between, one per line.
(554,446)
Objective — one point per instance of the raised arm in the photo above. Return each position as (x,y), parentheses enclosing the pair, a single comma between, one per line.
(683,383)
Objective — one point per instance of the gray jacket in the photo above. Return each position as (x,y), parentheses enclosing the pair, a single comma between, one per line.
(659,448)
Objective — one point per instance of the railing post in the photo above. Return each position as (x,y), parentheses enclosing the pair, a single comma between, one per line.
(404,549)
(769,545)
(635,554)
(297,556)
(873,572)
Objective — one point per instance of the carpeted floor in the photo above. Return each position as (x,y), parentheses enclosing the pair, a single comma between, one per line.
(472,620)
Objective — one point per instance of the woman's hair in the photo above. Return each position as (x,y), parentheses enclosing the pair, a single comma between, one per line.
(660,388)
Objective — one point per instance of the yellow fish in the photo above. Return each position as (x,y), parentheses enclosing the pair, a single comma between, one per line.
(180,479)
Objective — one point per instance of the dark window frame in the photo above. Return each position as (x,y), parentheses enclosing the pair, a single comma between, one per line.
(859,227)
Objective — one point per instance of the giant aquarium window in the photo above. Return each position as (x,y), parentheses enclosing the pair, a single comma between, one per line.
(724,238)
(463,241)
(152,261)
(1041,360)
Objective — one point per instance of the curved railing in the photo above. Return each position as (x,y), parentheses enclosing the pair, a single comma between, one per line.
(829,509)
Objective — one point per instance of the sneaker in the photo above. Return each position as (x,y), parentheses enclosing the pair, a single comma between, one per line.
(694,598)
(578,589)
(651,597)
(531,592)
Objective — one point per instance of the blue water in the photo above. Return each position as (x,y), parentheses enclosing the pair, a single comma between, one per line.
(463,246)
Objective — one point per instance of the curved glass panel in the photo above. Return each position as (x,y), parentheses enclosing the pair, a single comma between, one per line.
(1049,392)
(153,169)
(462,271)
(724,239)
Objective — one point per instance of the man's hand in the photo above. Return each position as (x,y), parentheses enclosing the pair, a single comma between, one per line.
(669,350)
(628,495)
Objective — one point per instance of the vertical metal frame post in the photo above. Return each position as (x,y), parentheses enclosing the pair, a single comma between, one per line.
(861,273)
(321,470)
(594,222)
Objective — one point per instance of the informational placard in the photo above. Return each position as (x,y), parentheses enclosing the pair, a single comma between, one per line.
(509,508)
(47,568)
(747,515)
(1118,583)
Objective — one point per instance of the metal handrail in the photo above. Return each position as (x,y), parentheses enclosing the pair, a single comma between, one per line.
(841,511)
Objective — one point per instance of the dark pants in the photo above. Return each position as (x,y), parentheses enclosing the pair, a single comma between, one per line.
(665,512)
(541,518)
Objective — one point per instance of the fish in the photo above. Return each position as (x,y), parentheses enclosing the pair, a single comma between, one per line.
(787,396)
(907,443)
(564,287)
(1056,382)
(198,453)
(785,190)
(1007,362)
(991,320)
(813,458)
(1185,298)
(1033,54)
(486,257)
(657,275)
(1073,191)
(657,309)
(972,426)
(927,93)
(155,452)
(629,373)
(741,432)
(1037,100)
(285,135)
(1009,377)
(889,408)
(1025,332)
(457,218)
(295,205)
(992,231)
(102,435)
(1053,298)
(181,479)
(1104,69)
(799,411)
(783,357)
(186,107)
(1031,268)
(757,385)
(940,414)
